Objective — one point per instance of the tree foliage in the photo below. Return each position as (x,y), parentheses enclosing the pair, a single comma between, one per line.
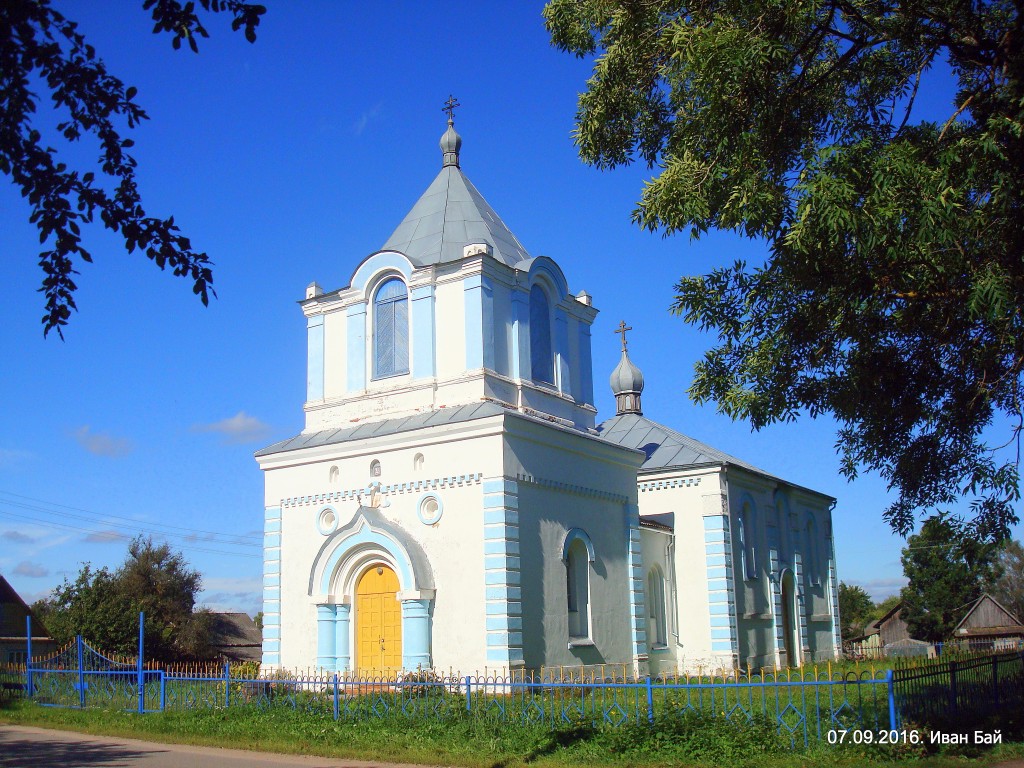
(855,609)
(892,292)
(1009,586)
(104,606)
(946,571)
(42,49)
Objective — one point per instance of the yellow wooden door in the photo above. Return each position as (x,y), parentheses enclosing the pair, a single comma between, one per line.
(378,623)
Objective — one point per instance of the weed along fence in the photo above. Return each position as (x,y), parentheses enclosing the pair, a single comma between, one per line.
(804,707)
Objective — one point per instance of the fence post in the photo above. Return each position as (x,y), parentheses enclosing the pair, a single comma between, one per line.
(650,701)
(28,660)
(81,672)
(337,703)
(995,682)
(163,691)
(142,673)
(469,693)
(227,684)
(891,687)
(952,688)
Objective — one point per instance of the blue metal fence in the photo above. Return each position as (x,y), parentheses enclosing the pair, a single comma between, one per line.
(804,708)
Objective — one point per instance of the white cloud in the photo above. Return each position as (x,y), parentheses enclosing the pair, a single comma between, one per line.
(240,428)
(10,457)
(879,589)
(17,537)
(102,443)
(104,537)
(233,594)
(364,119)
(32,570)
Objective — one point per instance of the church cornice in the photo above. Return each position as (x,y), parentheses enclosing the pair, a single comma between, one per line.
(575,490)
(398,489)
(668,484)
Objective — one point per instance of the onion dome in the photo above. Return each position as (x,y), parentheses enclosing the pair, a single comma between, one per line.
(451,143)
(627,381)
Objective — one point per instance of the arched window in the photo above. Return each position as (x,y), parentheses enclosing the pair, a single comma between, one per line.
(541,360)
(390,329)
(748,540)
(578,553)
(656,607)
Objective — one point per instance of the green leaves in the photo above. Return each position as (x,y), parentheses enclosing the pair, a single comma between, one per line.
(892,292)
(39,45)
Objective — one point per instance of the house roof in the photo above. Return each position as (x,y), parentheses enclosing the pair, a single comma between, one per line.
(450,215)
(664,446)
(1010,627)
(10,596)
(236,636)
(367,429)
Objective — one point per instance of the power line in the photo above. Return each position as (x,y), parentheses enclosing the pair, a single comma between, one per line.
(104,518)
(54,524)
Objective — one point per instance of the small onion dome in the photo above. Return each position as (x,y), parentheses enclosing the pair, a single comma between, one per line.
(451,143)
(627,383)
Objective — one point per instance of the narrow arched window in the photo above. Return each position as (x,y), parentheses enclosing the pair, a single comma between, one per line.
(656,607)
(747,535)
(577,574)
(391,329)
(541,360)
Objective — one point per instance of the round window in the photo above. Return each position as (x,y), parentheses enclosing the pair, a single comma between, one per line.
(327,522)
(430,509)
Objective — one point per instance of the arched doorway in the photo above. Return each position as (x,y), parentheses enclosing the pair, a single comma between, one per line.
(378,618)
(790,635)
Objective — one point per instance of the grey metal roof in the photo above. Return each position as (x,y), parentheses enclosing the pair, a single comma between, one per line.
(450,215)
(663,446)
(385,427)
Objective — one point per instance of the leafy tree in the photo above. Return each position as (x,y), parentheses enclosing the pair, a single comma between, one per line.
(104,606)
(946,571)
(40,49)
(884,607)
(892,292)
(258,620)
(855,609)
(1009,586)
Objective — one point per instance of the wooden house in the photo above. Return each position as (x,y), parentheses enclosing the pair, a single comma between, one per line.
(13,636)
(987,625)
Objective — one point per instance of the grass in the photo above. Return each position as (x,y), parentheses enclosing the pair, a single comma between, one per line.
(476,742)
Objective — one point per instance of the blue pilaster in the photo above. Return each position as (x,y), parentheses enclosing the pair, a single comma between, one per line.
(721,586)
(520,351)
(502,574)
(416,634)
(272,586)
(479,318)
(637,582)
(315,358)
(586,365)
(342,647)
(563,374)
(325,642)
(423,333)
(355,321)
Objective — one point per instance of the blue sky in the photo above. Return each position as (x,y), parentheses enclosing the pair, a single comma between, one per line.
(290,161)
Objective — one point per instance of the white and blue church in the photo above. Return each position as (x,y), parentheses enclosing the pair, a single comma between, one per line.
(453,502)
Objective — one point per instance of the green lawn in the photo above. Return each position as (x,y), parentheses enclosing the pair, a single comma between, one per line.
(475,742)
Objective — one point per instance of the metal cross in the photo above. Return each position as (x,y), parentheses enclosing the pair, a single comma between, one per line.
(622,329)
(450,106)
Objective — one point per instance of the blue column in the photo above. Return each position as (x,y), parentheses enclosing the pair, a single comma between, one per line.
(562,353)
(355,320)
(315,359)
(342,651)
(520,351)
(423,333)
(416,634)
(586,365)
(325,615)
(479,310)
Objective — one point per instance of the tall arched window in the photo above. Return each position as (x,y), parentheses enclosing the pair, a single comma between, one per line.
(541,360)
(577,553)
(390,329)
(656,607)
(748,539)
